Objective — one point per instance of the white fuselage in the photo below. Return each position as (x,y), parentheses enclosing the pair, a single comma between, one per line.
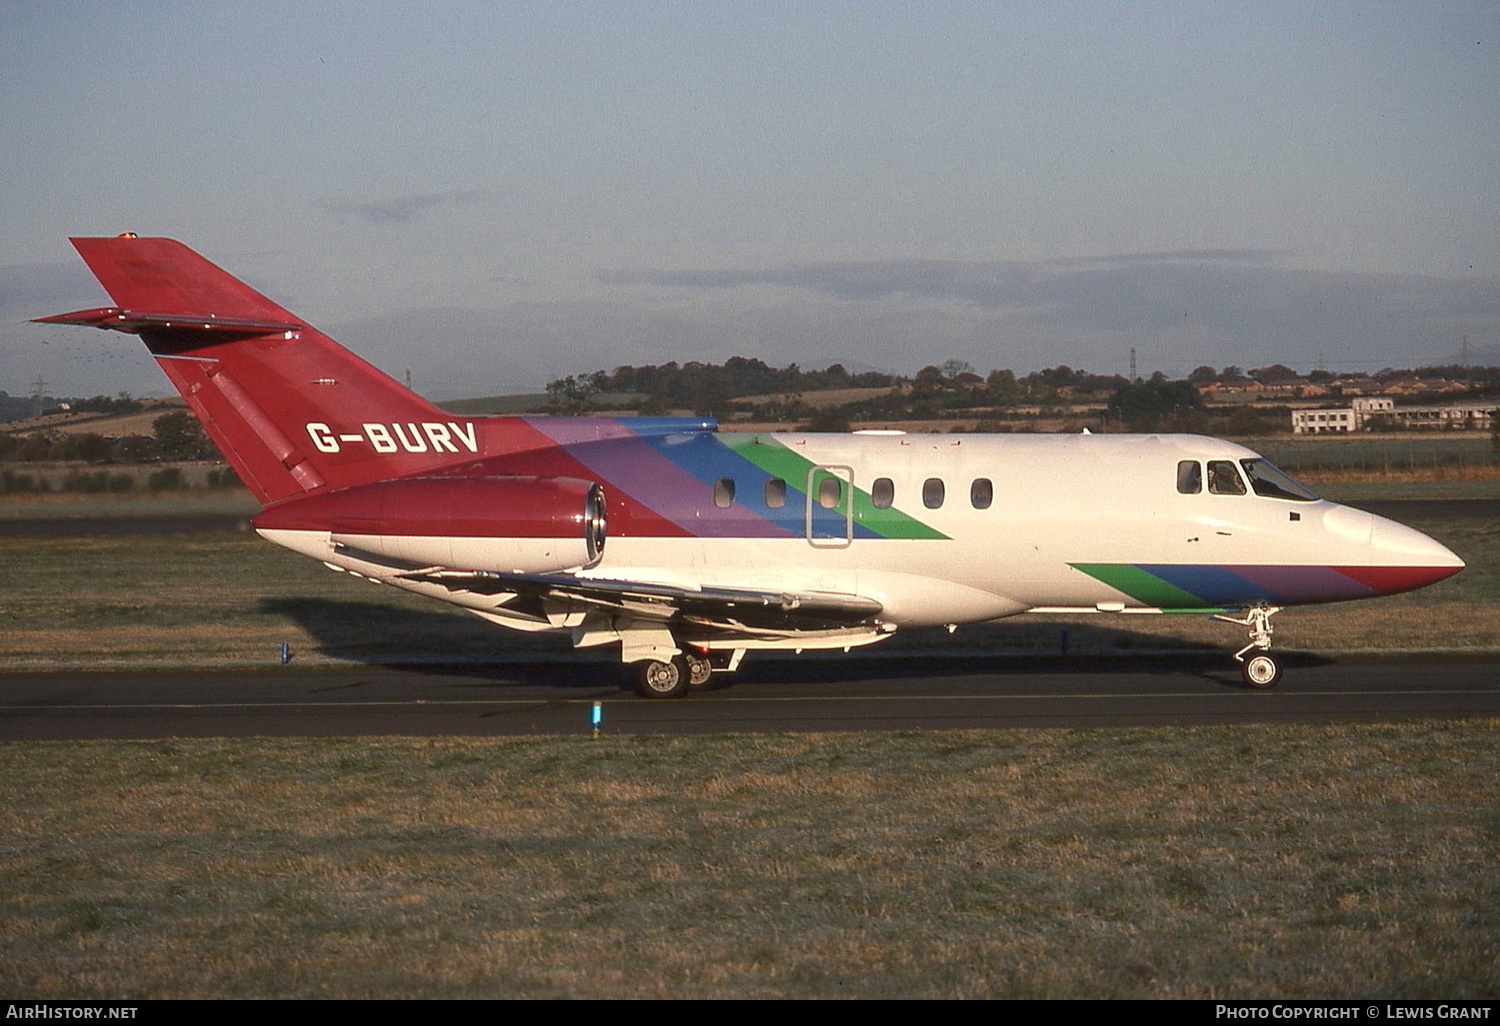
(1070,523)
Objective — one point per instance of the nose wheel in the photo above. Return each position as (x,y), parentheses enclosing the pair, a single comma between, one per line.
(1261,670)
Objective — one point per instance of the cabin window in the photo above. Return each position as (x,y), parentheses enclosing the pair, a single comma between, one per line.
(724,492)
(1190,477)
(830,490)
(882,493)
(1224,479)
(775,493)
(932,492)
(1271,481)
(981,493)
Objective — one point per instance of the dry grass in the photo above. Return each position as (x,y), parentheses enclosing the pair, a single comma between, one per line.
(1321,478)
(211,600)
(59,505)
(110,425)
(1210,862)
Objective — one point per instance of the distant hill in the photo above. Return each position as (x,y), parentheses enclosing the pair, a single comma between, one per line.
(109,425)
(528,402)
(816,400)
(494,405)
(17,407)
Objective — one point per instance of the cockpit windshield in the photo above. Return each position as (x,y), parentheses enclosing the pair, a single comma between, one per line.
(1270,481)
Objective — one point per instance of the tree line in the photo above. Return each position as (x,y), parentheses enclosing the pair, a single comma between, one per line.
(949,390)
(175,436)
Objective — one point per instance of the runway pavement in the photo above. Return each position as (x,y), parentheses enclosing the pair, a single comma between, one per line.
(902,692)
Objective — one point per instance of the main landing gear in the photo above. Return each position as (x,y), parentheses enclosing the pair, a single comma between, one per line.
(1262,670)
(672,678)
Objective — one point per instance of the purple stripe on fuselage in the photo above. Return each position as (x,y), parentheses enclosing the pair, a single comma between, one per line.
(1281,585)
(1305,583)
(640,468)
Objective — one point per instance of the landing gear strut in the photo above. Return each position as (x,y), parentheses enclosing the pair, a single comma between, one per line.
(1262,670)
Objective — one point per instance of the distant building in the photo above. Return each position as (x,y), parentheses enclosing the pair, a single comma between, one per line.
(1323,422)
(1377,413)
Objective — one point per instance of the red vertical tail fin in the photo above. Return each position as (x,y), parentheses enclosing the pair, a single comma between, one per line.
(291,409)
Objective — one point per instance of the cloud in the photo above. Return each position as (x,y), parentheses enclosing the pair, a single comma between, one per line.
(988,285)
(1246,256)
(400,209)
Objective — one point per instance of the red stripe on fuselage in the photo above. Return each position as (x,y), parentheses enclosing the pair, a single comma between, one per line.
(1390,580)
(442,507)
(628,517)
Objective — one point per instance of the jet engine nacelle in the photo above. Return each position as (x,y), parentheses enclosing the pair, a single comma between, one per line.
(504,524)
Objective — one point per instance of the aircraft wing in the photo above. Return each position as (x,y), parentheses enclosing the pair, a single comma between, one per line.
(725,608)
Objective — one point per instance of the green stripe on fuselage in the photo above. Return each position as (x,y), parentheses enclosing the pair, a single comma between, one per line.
(777,460)
(1145,588)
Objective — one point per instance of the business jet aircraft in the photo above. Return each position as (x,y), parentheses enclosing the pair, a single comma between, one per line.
(688,548)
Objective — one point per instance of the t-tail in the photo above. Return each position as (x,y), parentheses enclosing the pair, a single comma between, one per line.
(291,409)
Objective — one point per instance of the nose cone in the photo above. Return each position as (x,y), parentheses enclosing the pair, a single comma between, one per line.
(1403,559)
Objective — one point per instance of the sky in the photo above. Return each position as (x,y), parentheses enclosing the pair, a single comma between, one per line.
(491,195)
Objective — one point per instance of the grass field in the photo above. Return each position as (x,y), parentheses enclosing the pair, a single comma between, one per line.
(212,599)
(1409,453)
(1216,862)
(72,489)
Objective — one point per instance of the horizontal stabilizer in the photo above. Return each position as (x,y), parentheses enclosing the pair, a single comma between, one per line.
(163,276)
(132,321)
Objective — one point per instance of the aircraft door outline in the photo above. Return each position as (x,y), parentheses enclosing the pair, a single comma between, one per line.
(829,518)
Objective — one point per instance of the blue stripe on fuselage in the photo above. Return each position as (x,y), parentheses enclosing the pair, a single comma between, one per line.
(672,473)
(708,459)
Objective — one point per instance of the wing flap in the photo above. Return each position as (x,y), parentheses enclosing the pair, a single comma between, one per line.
(726,607)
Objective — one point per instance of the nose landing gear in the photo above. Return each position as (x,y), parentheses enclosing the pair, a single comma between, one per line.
(1261,670)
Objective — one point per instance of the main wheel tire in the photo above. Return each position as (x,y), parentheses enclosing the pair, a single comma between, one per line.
(656,678)
(700,670)
(1261,670)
